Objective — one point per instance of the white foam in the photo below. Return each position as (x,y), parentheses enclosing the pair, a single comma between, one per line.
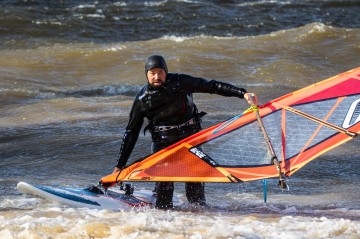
(120,4)
(96,15)
(154,3)
(82,6)
(262,2)
(62,222)
(201,36)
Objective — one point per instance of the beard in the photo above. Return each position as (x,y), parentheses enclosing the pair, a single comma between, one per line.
(157,83)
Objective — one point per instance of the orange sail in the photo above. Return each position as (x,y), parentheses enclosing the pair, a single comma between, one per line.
(301,126)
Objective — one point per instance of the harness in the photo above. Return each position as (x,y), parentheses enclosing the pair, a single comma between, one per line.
(166,128)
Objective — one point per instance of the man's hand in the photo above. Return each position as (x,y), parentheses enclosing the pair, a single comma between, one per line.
(116,170)
(108,185)
(249,96)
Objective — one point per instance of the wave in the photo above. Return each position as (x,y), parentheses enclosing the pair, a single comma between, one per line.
(290,59)
(105,91)
(12,95)
(302,31)
(123,21)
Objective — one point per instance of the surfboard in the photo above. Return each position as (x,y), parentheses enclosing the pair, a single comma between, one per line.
(94,197)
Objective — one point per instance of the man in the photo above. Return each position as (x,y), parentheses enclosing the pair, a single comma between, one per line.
(167,102)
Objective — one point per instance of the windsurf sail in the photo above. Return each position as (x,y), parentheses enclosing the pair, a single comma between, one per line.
(301,125)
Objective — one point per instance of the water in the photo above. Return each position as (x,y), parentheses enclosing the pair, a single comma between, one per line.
(69,72)
(39,22)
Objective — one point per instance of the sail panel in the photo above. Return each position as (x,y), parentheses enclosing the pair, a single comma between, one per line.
(243,146)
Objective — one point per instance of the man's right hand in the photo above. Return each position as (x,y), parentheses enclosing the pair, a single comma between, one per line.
(116,170)
(108,185)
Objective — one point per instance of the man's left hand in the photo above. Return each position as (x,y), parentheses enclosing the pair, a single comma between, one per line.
(251,98)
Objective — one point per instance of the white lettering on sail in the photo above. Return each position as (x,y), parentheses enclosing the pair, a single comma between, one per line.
(203,156)
(353,115)
(198,153)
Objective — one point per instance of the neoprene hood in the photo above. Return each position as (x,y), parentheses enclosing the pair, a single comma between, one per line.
(155,61)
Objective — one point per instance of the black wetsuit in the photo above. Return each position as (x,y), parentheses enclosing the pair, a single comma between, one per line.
(171,105)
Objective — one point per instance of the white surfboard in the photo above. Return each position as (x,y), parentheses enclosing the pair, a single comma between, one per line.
(93,197)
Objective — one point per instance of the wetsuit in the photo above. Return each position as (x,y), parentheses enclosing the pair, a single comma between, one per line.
(165,107)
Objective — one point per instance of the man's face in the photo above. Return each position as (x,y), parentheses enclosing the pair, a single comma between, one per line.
(156,77)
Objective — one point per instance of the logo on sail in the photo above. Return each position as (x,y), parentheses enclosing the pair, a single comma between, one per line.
(203,156)
(353,115)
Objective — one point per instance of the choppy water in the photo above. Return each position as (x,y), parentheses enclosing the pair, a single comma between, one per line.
(68,75)
(39,22)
